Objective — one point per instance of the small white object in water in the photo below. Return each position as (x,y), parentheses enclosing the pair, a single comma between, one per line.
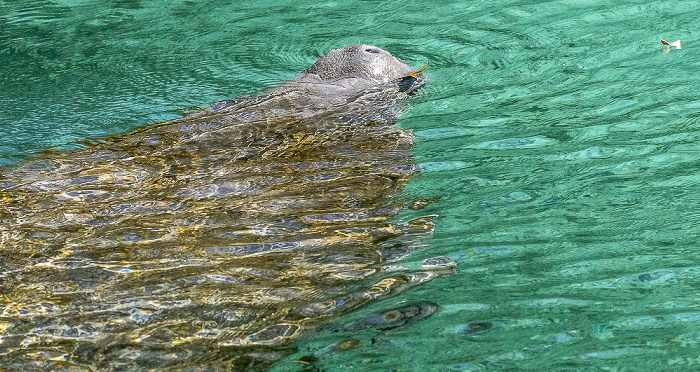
(676,43)
(668,45)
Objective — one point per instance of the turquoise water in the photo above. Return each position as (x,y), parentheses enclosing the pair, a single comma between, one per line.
(557,138)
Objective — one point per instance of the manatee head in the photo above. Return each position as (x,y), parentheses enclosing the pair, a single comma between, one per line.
(359,62)
(361,82)
(355,68)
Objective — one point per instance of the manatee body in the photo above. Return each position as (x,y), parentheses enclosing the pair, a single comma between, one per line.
(203,238)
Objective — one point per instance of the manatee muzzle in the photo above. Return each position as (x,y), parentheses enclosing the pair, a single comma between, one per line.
(412,82)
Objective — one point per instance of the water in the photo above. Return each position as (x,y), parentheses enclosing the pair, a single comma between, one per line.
(557,144)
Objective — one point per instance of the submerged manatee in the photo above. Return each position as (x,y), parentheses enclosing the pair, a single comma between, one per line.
(205,240)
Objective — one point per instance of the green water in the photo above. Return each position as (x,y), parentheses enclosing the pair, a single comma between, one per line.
(558,137)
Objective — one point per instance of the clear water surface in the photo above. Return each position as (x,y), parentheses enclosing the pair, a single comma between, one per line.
(557,142)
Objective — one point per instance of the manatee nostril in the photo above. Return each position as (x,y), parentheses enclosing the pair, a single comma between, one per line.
(372,50)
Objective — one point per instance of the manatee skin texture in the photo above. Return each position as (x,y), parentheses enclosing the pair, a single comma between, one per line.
(362,81)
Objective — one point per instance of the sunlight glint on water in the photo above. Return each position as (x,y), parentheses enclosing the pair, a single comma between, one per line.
(560,143)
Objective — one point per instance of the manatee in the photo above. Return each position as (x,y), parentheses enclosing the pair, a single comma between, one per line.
(217,236)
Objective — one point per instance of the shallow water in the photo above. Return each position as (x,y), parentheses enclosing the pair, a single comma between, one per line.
(557,141)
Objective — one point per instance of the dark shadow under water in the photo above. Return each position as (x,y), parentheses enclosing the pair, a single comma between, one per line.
(206,242)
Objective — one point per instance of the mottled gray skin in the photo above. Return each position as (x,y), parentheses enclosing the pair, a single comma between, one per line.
(348,71)
(362,78)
